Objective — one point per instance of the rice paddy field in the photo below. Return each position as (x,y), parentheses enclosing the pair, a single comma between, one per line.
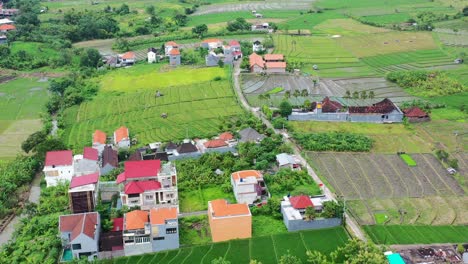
(195,107)
(391,235)
(266,249)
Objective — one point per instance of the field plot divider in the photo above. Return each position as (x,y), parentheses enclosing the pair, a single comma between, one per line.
(303,242)
(208,252)
(438,175)
(186,257)
(227,251)
(349,177)
(274,247)
(178,252)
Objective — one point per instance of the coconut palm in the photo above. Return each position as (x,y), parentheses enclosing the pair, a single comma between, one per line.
(296,94)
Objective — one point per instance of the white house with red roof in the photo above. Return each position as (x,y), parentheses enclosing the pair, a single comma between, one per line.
(58,167)
(248,186)
(168,46)
(80,235)
(212,43)
(147,184)
(122,137)
(83,193)
(128,58)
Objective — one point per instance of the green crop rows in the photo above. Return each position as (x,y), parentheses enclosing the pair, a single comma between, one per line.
(400,234)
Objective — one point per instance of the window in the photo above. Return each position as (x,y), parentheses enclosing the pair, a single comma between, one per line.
(149,197)
(171,230)
(158,238)
(76,246)
(134,195)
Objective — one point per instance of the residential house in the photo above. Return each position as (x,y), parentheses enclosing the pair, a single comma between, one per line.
(186,149)
(384,111)
(256,63)
(111,60)
(3,39)
(137,233)
(250,135)
(171,147)
(229,221)
(212,59)
(153,55)
(415,114)
(285,160)
(147,184)
(99,141)
(122,138)
(7,12)
(273,57)
(87,163)
(235,45)
(109,160)
(128,58)
(275,67)
(261,27)
(248,186)
(228,138)
(258,15)
(164,228)
(169,46)
(83,193)
(257,46)
(58,167)
(174,57)
(80,235)
(7,27)
(212,43)
(294,217)
(6,21)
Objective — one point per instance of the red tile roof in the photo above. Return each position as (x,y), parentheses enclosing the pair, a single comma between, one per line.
(158,216)
(279,64)
(136,187)
(256,59)
(329,106)
(415,112)
(90,153)
(121,133)
(246,173)
(128,55)
(136,219)
(117,224)
(220,208)
(226,136)
(215,143)
(7,27)
(300,202)
(84,180)
(174,52)
(78,224)
(383,107)
(234,43)
(171,43)
(99,137)
(274,57)
(59,158)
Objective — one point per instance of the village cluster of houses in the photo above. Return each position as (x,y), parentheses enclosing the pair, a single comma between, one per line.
(6,25)
(269,63)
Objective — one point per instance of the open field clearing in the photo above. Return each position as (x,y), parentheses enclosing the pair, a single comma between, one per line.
(197,200)
(241,251)
(388,42)
(392,235)
(359,176)
(14,134)
(454,39)
(224,17)
(441,134)
(413,60)
(258,6)
(461,25)
(347,27)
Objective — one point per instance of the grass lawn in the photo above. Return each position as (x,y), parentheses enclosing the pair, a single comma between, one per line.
(265,225)
(266,249)
(408,160)
(197,200)
(400,234)
(194,230)
(380,218)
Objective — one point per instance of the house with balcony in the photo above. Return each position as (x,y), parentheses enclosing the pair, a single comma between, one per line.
(80,235)
(83,193)
(147,184)
(58,167)
(150,231)
(229,221)
(248,186)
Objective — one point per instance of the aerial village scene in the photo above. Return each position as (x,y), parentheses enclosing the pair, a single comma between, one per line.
(234,131)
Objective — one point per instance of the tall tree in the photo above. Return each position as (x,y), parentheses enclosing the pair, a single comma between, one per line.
(285,108)
(200,30)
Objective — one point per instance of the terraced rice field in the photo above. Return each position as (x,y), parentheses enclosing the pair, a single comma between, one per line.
(392,235)
(259,6)
(242,251)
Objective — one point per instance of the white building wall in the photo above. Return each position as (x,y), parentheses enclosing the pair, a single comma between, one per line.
(64,173)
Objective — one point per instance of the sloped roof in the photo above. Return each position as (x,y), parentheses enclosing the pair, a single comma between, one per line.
(415,112)
(140,169)
(221,208)
(187,147)
(300,202)
(383,107)
(279,64)
(110,156)
(136,187)
(215,143)
(329,106)
(246,173)
(136,219)
(171,145)
(117,224)
(273,57)
(84,180)
(7,27)
(128,55)
(174,52)
(121,133)
(135,156)
(211,40)
(250,134)
(255,59)
(234,43)
(226,136)
(78,224)
(158,216)
(90,153)
(284,159)
(99,137)
(59,158)
(171,43)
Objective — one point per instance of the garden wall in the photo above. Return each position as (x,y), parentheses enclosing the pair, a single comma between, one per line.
(299,224)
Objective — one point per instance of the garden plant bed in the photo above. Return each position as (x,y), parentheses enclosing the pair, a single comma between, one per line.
(408,160)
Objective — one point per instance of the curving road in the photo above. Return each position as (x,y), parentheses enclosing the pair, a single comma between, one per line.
(350,222)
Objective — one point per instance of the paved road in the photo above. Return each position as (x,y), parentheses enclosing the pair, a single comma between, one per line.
(349,221)
(34,195)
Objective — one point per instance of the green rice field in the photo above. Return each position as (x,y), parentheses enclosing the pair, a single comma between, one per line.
(400,234)
(408,160)
(266,249)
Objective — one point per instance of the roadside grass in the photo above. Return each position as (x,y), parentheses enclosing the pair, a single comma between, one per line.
(401,234)
(197,200)
(408,160)
(263,225)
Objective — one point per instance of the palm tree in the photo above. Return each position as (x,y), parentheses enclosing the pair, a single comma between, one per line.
(304,93)
(371,94)
(347,94)
(296,94)
(287,95)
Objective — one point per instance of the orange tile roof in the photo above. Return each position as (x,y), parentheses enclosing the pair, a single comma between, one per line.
(174,52)
(128,55)
(121,133)
(256,59)
(211,40)
(215,143)
(136,219)
(158,216)
(226,136)
(171,43)
(269,57)
(279,64)
(245,174)
(99,137)
(220,208)
(7,27)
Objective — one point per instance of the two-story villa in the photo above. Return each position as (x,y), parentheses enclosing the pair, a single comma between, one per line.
(58,167)
(248,186)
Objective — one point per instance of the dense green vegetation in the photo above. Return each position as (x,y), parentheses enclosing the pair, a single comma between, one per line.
(400,234)
(333,141)
(408,160)
(286,181)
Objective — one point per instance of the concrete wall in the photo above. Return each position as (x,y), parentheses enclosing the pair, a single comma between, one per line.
(174,60)
(124,144)
(171,241)
(320,117)
(88,245)
(394,117)
(138,249)
(228,228)
(108,189)
(296,225)
(221,150)
(256,69)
